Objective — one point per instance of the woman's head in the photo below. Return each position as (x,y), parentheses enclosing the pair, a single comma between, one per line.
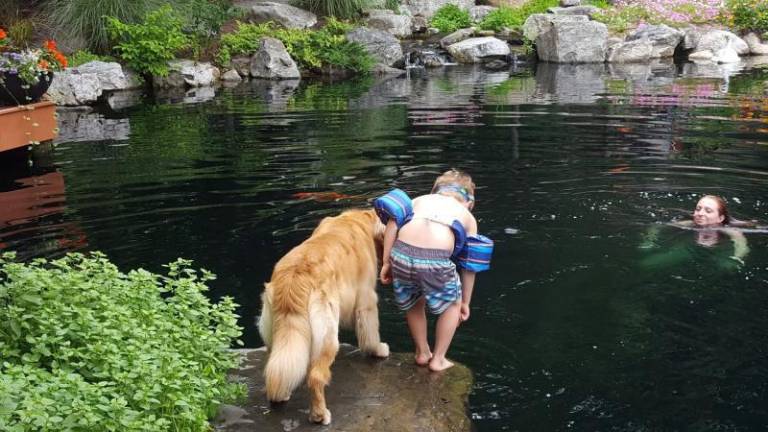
(711,211)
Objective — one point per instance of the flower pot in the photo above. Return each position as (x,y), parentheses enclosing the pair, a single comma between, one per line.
(14,91)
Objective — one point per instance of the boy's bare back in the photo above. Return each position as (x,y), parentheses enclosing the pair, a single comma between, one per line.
(432,215)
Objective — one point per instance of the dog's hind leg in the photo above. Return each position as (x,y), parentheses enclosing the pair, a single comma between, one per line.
(265,319)
(367,324)
(324,321)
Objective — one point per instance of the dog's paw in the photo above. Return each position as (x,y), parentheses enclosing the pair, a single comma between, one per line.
(382,350)
(323,417)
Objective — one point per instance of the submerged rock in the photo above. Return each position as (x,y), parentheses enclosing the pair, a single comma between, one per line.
(365,394)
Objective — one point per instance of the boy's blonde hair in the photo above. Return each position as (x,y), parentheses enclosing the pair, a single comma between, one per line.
(455,183)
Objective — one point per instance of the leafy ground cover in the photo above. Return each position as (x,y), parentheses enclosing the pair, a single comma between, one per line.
(85,347)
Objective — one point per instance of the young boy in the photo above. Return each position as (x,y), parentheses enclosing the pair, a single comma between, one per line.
(424,241)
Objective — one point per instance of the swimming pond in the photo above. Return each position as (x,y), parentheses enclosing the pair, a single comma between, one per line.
(576,327)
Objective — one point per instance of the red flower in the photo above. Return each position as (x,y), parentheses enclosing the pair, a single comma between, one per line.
(43,64)
(3,34)
(60,58)
(50,45)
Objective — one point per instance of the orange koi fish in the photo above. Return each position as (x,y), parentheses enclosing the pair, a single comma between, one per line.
(323,196)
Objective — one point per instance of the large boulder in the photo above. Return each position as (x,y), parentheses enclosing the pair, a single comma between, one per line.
(537,23)
(428,8)
(272,61)
(284,14)
(388,21)
(474,50)
(456,37)
(382,46)
(630,52)
(111,75)
(665,39)
(756,47)
(573,42)
(71,87)
(188,73)
(719,46)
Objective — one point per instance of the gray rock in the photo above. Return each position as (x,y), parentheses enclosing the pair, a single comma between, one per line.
(456,37)
(427,8)
(475,49)
(382,69)
(390,395)
(272,61)
(630,52)
(419,24)
(188,73)
(573,42)
(242,64)
(477,13)
(386,20)
(691,37)
(383,46)
(570,3)
(756,47)
(72,88)
(665,39)
(537,23)
(719,46)
(231,76)
(286,15)
(111,75)
(587,10)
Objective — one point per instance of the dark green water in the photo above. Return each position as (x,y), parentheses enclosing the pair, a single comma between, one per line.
(575,328)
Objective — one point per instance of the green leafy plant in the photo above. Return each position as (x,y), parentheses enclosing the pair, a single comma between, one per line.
(624,19)
(344,9)
(147,47)
(311,49)
(84,56)
(86,347)
(450,18)
(748,15)
(515,17)
(392,5)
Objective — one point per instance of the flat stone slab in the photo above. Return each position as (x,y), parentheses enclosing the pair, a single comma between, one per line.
(365,394)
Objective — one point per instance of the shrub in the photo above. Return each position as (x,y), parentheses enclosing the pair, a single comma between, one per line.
(749,15)
(515,17)
(450,18)
(147,47)
(86,347)
(311,49)
(335,8)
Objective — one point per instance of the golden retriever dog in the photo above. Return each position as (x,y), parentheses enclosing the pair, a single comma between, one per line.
(327,281)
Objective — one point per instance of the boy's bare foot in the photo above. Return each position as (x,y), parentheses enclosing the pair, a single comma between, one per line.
(437,365)
(422,359)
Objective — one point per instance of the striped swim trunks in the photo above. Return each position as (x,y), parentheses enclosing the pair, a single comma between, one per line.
(418,272)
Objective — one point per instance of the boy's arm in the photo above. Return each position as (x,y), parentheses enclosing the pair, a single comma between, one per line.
(467,277)
(390,234)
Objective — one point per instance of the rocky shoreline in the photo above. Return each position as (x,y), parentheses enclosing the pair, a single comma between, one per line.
(397,41)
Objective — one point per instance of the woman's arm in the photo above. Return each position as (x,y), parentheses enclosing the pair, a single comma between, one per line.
(740,246)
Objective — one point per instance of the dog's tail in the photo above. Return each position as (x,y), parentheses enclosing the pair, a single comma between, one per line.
(288,354)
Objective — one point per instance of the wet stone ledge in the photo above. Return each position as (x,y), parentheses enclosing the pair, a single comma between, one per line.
(365,394)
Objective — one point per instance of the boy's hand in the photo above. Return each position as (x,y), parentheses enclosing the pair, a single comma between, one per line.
(464,313)
(386,274)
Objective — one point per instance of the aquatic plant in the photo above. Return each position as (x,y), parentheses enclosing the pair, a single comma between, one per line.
(86,347)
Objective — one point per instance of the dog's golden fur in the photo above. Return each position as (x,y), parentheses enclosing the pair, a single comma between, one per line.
(327,281)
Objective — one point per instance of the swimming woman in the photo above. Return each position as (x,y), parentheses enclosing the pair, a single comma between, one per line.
(710,219)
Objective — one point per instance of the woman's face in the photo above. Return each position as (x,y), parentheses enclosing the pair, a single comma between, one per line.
(707,213)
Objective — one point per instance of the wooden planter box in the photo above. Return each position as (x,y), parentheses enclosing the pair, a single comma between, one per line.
(27,124)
